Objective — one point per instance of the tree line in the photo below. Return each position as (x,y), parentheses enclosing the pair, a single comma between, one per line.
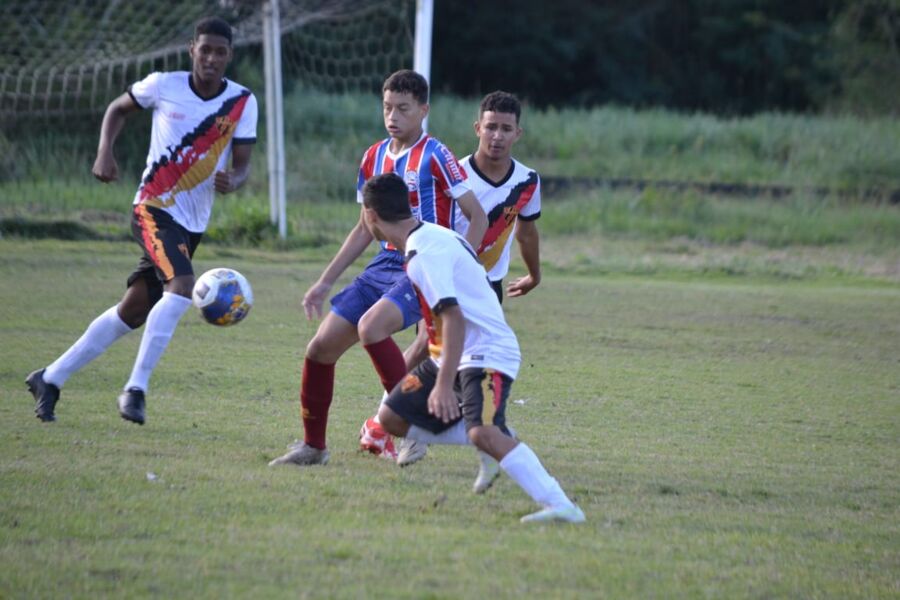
(722,56)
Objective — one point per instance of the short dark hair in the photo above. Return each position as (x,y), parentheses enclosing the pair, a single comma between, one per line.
(388,196)
(501,102)
(406,81)
(213,26)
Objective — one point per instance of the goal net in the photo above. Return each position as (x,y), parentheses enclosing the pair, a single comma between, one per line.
(63,61)
(61,57)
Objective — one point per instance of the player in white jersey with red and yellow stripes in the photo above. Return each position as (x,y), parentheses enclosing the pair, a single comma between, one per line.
(458,394)
(508,191)
(201,123)
(510,194)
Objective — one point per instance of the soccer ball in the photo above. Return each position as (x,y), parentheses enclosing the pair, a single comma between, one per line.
(223,296)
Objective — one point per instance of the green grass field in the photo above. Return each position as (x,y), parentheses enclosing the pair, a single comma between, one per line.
(727,416)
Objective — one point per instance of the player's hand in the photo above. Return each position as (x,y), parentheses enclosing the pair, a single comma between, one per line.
(224,182)
(105,168)
(314,299)
(443,404)
(521,286)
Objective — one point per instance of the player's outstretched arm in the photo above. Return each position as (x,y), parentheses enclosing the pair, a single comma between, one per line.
(530,247)
(232,179)
(478,222)
(105,168)
(442,401)
(354,245)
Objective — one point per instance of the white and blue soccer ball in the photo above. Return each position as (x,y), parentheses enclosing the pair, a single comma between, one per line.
(223,296)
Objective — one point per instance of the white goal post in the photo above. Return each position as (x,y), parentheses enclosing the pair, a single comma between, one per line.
(274,96)
(63,61)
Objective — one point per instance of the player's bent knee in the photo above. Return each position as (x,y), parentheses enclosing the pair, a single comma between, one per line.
(379,323)
(491,440)
(319,350)
(393,423)
(475,436)
(133,312)
(371,331)
(182,285)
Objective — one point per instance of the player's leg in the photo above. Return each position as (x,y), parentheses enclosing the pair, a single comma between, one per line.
(484,395)
(116,321)
(411,450)
(334,337)
(405,412)
(375,330)
(169,247)
(336,334)
(397,309)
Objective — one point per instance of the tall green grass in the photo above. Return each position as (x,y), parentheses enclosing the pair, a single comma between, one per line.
(327,134)
(843,152)
(653,215)
(662,214)
(49,181)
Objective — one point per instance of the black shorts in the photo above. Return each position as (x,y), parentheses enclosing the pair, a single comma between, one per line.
(481,393)
(168,249)
(498,289)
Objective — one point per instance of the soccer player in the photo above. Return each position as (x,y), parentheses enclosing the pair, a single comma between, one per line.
(510,194)
(459,394)
(200,121)
(380,301)
(508,191)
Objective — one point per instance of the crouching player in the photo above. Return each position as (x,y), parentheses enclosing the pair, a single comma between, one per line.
(459,394)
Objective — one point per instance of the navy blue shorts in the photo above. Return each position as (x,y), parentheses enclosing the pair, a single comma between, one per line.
(384,277)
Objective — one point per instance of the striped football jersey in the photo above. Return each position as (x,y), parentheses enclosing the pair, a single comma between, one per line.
(431,172)
(516,196)
(190,141)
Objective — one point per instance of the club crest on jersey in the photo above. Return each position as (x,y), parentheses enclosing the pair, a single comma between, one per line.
(412,180)
(223,124)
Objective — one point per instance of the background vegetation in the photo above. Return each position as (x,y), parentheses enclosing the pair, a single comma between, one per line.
(855,160)
(736,57)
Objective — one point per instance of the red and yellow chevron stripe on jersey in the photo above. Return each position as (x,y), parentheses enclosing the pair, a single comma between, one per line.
(194,159)
(502,220)
(434,326)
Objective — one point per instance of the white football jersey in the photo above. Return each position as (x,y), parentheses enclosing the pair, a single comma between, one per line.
(191,139)
(516,196)
(443,269)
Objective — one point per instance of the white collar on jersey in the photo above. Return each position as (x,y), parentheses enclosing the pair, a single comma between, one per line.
(394,157)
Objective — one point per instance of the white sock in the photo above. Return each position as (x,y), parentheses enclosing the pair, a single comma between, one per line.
(455,436)
(523,465)
(161,323)
(99,336)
